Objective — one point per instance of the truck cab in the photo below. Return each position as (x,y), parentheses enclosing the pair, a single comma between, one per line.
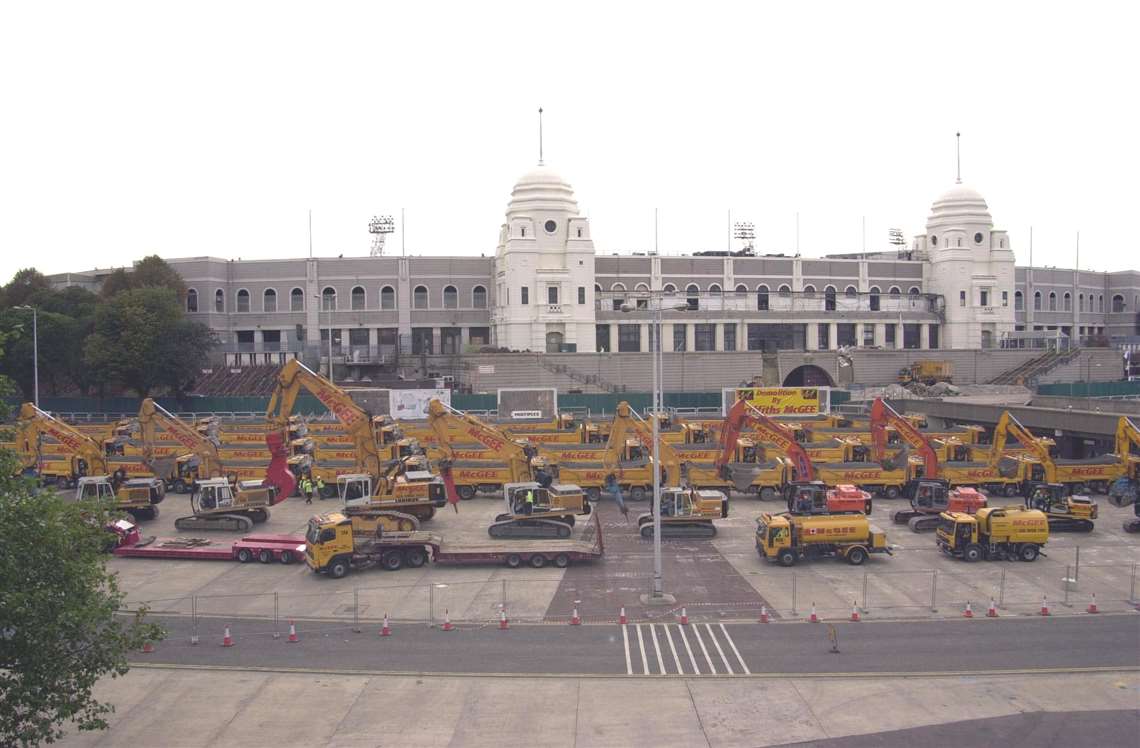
(690,502)
(327,537)
(558,498)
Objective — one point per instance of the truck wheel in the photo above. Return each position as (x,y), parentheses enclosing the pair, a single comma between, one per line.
(972,553)
(561,560)
(265,556)
(594,494)
(786,557)
(180,486)
(856,556)
(1077,488)
(537,561)
(637,493)
(392,560)
(514,561)
(1011,489)
(891,492)
(767,493)
(286,557)
(466,492)
(339,568)
(244,555)
(415,558)
(1028,552)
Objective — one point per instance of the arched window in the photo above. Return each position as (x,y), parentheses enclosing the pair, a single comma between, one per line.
(1018,301)
(450,297)
(670,289)
(874,297)
(242,300)
(420,298)
(914,291)
(785,291)
(1100,303)
(597,288)
(714,289)
(642,288)
(479,297)
(359,299)
(741,289)
(618,287)
(850,292)
(387,298)
(809,291)
(296,300)
(269,300)
(1117,304)
(328,298)
(693,294)
(895,291)
(1037,301)
(829,298)
(762,298)
(1052,301)
(1067,304)
(219,301)
(1080,302)
(191,300)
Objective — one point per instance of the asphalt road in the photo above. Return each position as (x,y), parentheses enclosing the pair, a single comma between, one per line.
(952,646)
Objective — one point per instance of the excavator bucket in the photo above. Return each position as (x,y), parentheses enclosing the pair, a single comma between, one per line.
(278,473)
(742,476)
(449,484)
(1008,467)
(899,460)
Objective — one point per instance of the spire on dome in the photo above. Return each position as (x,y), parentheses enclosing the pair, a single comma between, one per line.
(957,148)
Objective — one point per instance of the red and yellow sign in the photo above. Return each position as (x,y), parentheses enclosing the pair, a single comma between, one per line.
(786,401)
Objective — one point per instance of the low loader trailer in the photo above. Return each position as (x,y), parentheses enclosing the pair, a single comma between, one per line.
(284,549)
(333,549)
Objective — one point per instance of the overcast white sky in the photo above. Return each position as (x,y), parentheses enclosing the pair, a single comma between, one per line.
(212,128)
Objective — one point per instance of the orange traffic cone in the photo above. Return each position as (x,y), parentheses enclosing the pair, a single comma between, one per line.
(684,617)
(763,614)
(227,640)
(574,619)
(147,648)
(854,612)
(1044,606)
(447,621)
(503,626)
(813,618)
(1092,604)
(386,630)
(622,617)
(991,612)
(293,638)
(969,612)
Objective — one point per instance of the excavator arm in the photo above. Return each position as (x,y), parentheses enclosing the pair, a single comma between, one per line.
(153,416)
(1007,426)
(627,423)
(1127,437)
(742,414)
(883,414)
(441,419)
(33,423)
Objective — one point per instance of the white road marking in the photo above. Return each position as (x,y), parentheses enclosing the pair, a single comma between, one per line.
(656,646)
(693,660)
(641,646)
(697,633)
(712,635)
(625,638)
(732,644)
(673,649)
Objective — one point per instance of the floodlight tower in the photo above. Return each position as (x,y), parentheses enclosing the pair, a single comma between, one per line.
(746,232)
(380,227)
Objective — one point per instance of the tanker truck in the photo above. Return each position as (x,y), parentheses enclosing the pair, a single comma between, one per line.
(787,538)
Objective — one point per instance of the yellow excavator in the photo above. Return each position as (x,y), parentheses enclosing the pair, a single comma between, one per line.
(382,494)
(685,511)
(217,502)
(537,507)
(84,464)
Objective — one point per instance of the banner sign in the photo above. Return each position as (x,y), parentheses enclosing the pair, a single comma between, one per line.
(785,401)
(412,405)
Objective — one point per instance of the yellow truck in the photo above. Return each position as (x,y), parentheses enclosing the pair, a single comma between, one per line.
(927,371)
(994,533)
(788,538)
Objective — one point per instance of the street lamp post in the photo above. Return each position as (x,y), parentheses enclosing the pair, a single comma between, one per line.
(35,354)
(658,594)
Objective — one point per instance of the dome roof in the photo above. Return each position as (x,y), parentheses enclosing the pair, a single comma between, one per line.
(958,206)
(542,189)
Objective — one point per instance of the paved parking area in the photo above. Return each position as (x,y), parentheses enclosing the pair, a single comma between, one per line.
(721,579)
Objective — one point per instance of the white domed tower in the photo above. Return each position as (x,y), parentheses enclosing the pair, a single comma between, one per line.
(544,269)
(971,265)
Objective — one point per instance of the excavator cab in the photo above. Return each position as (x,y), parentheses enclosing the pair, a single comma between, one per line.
(95,487)
(928,496)
(1073,513)
(807,498)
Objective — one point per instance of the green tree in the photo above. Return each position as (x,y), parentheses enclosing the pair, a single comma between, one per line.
(155,271)
(60,628)
(116,283)
(142,341)
(24,286)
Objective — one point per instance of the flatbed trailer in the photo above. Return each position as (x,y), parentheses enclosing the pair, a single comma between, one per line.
(285,549)
(533,553)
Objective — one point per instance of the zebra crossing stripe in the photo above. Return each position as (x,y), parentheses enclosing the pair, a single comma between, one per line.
(736,651)
(673,649)
(641,646)
(692,660)
(697,633)
(625,638)
(657,648)
(712,635)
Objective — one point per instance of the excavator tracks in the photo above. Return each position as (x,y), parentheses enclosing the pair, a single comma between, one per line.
(924,523)
(386,520)
(227,522)
(687,528)
(1069,524)
(528,528)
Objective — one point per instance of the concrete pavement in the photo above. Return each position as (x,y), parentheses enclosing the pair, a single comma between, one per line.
(167,707)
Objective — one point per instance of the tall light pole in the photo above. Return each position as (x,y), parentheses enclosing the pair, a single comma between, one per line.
(658,595)
(35,354)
